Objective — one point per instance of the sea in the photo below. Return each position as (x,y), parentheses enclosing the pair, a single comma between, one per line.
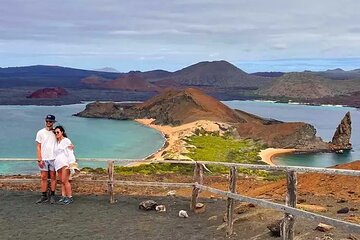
(128,141)
(92,138)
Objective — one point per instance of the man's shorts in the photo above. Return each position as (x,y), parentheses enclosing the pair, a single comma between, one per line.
(48,166)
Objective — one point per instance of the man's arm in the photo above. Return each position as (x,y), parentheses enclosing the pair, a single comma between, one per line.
(38,154)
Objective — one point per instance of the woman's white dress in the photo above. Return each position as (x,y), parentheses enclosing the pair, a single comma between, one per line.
(63,154)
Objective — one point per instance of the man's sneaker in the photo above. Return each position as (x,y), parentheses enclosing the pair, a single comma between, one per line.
(52,199)
(68,201)
(42,199)
(61,199)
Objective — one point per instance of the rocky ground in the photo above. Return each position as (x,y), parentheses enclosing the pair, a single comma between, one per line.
(92,215)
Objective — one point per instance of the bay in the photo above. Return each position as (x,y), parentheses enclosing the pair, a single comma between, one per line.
(93,138)
(324,118)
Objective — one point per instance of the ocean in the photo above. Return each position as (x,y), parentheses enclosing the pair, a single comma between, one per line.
(324,118)
(93,138)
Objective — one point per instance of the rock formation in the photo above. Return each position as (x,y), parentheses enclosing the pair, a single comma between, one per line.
(49,93)
(341,138)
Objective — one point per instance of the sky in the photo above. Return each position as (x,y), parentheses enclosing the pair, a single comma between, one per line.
(254,35)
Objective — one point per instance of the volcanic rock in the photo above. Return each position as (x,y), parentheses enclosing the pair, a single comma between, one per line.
(343,210)
(49,93)
(341,138)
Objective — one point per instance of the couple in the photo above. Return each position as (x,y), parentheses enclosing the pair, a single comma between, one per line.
(54,152)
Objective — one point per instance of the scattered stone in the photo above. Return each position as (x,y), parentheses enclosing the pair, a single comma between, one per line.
(148,205)
(212,218)
(183,214)
(342,201)
(199,208)
(343,210)
(323,227)
(243,207)
(160,208)
(274,228)
(171,193)
(354,209)
(351,192)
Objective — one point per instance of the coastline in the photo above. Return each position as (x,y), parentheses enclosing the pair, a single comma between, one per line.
(268,154)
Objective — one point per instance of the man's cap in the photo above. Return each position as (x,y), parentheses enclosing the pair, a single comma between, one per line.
(50,118)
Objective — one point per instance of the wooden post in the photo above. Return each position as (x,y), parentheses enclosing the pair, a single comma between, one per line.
(198,178)
(230,201)
(287,228)
(111,181)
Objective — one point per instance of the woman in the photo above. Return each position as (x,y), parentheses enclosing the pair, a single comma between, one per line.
(64,157)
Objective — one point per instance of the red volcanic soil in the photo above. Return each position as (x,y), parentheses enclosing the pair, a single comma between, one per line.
(188,106)
(49,93)
(339,186)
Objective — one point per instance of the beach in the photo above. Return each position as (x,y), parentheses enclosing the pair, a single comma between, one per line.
(268,154)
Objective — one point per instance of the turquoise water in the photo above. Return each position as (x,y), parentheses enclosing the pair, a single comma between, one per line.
(93,138)
(324,118)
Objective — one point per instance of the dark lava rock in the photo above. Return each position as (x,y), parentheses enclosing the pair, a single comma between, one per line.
(343,210)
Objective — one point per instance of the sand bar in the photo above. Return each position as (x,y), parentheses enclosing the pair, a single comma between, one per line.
(174,135)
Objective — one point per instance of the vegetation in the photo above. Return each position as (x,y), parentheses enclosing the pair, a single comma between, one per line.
(206,147)
(223,149)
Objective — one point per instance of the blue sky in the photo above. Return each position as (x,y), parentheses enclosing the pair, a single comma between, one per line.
(256,35)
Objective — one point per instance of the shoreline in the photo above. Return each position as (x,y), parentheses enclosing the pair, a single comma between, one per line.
(268,154)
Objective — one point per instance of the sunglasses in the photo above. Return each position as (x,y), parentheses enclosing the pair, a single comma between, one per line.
(57,132)
(49,121)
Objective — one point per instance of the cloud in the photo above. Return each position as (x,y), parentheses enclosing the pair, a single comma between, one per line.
(236,30)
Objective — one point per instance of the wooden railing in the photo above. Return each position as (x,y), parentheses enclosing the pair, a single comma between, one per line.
(289,209)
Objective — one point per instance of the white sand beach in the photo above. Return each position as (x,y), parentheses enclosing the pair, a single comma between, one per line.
(268,154)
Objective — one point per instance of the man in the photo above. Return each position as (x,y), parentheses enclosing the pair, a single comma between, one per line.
(45,143)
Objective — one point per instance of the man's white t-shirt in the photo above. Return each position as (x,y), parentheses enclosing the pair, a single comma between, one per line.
(47,140)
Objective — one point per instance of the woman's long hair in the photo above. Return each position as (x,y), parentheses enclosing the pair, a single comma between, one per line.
(62,129)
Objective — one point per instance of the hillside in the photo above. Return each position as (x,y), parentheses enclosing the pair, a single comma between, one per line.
(215,74)
(308,85)
(46,76)
(49,93)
